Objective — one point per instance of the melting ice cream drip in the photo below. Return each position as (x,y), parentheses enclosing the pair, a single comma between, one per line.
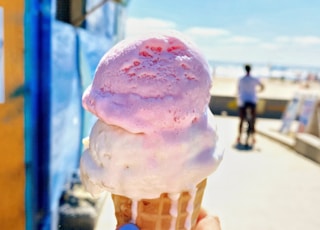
(174,209)
(134,211)
(190,207)
(174,197)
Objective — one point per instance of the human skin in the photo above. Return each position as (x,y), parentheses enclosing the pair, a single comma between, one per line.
(207,222)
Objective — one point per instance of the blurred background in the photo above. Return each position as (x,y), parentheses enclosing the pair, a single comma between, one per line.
(49,50)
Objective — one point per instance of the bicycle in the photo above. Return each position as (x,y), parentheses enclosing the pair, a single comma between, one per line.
(250,126)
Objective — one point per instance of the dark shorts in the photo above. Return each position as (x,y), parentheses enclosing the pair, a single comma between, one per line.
(248,105)
(242,109)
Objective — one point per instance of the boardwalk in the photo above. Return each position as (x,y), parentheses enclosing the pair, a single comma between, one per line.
(268,188)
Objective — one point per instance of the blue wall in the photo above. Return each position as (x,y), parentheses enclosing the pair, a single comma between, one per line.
(74,59)
(61,65)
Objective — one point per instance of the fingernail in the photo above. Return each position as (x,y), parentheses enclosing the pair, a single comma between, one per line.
(129,227)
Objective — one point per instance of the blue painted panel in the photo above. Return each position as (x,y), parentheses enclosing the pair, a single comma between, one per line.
(74,55)
(44,115)
(74,60)
(31,107)
(66,112)
(103,19)
(93,51)
(90,54)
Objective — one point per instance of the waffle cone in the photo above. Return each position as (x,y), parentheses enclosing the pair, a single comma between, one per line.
(163,213)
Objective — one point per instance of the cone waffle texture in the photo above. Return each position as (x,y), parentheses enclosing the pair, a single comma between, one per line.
(154,214)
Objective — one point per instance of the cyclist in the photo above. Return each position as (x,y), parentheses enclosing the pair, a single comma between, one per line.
(247,98)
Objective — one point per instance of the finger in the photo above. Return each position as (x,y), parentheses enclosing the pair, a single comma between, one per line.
(209,223)
(202,214)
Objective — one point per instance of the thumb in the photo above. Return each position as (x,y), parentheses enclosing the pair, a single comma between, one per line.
(209,223)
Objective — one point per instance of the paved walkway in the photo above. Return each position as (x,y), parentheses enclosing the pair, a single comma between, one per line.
(268,188)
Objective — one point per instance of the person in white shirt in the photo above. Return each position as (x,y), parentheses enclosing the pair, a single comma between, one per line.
(247,98)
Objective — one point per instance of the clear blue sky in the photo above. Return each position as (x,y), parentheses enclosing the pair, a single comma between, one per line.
(261,31)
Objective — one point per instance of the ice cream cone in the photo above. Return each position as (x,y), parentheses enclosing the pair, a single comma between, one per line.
(168,212)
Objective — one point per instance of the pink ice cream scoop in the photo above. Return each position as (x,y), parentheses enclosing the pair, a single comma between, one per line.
(150,84)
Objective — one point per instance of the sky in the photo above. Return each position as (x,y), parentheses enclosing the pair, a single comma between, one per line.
(273,32)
